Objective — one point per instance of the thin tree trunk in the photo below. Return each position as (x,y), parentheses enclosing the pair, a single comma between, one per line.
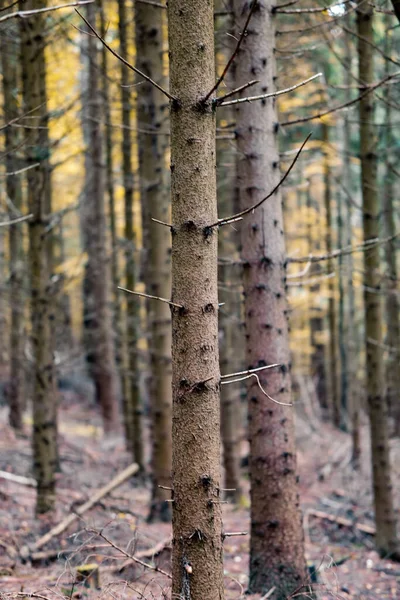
(197,564)
(9,63)
(133,410)
(98,323)
(153,139)
(392,307)
(276,544)
(334,397)
(37,150)
(343,388)
(386,540)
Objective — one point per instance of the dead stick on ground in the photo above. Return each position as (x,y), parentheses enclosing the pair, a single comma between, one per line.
(118,480)
(28,481)
(342,521)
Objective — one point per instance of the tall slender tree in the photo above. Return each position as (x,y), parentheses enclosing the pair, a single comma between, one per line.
(37,150)
(153,140)
(386,539)
(97,317)
(10,72)
(197,525)
(276,544)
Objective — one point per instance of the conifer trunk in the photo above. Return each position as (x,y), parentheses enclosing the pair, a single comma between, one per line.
(386,540)
(98,323)
(153,138)
(276,545)
(37,151)
(197,524)
(133,410)
(9,64)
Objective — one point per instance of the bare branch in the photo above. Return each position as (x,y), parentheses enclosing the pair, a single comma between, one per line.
(19,171)
(233,218)
(161,222)
(259,385)
(271,95)
(17,220)
(151,297)
(237,90)
(249,371)
(235,52)
(30,13)
(125,62)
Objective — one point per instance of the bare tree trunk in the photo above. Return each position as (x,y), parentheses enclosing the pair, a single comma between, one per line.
(133,409)
(334,397)
(392,307)
(153,138)
(37,151)
(9,63)
(386,540)
(277,544)
(98,325)
(197,566)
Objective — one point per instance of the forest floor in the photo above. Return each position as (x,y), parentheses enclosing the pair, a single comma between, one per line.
(336,501)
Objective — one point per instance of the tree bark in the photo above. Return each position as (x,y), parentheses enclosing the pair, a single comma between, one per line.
(37,151)
(97,320)
(153,139)
(197,566)
(277,544)
(386,540)
(10,72)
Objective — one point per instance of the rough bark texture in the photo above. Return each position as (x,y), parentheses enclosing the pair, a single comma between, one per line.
(153,121)
(277,545)
(10,72)
(386,540)
(37,150)
(97,320)
(392,302)
(197,525)
(334,396)
(133,410)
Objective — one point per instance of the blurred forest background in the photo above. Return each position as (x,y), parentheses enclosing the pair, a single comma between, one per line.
(85,364)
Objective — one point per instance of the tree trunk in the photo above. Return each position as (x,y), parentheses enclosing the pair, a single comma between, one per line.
(9,64)
(153,129)
(386,540)
(98,324)
(197,565)
(276,545)
(334,397)
(37,151)
(392,307)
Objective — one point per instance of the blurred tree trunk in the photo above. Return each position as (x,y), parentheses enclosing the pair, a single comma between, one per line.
(389,230)
(228,278)
(97,320)
(112,213)
(333,391)
(197,563)
(11,109)
(276,530)
(386,540)
(153,140)
(37,151)
(133,409)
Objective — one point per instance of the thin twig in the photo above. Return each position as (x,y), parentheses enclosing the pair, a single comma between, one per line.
(133,558)
(29,13)
(161,222)
(362,247)
(259,385)
(234,54)
(17,220)
(151,297)
(234,533)
(271,95)
(256,370)
(19,171)
(235,91)
(233,218)
(125,62)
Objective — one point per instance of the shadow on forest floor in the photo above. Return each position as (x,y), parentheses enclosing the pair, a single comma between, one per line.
(336,502)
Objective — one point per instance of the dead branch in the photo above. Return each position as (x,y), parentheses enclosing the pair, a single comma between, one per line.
(249,371)
(143,295)
(219,100)
(125,62)
(239,215)
(28,481)
(149,553)
(118,480)
(364,528)
(362,247)
(270,95)
(30,13)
